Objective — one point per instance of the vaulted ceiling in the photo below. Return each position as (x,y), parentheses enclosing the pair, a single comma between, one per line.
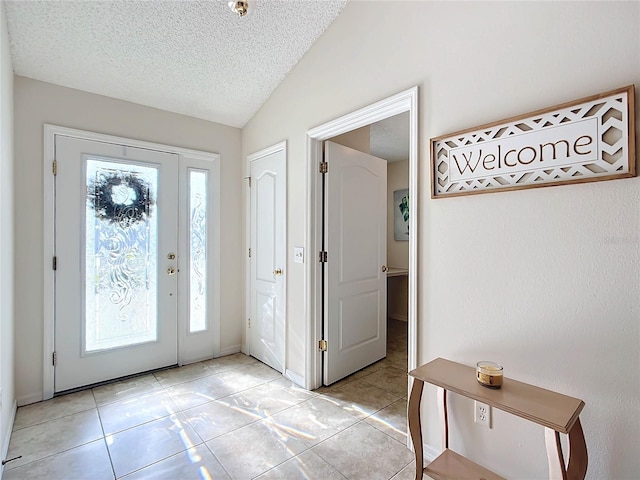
(192,57)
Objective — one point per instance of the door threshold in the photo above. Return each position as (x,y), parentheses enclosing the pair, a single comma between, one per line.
(113,380)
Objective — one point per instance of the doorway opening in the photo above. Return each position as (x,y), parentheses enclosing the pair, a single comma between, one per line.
(387,140)
(403,103)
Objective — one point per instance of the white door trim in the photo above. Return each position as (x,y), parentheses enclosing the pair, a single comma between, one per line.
(406,101)
(246,344)
(50,131)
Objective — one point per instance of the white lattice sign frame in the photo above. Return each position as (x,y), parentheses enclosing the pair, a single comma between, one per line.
(590,139)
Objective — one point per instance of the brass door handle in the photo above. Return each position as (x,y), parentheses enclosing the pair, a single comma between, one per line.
(277,272)
(384,268)
(171,271)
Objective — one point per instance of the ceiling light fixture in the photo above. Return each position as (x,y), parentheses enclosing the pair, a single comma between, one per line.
(241,7)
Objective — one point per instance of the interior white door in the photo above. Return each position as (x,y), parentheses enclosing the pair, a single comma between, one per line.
(268,257)
(116,249)
(356,243)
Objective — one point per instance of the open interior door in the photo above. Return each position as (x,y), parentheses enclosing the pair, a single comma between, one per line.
(355,288)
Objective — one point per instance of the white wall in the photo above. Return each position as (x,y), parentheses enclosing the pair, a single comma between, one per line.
(7,384)
(545,281)
(37,103)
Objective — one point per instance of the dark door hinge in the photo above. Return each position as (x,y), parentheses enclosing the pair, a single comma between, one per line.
(54,359)
(54,167)
(322,257)
(54,263)
(249,253)
(324,167)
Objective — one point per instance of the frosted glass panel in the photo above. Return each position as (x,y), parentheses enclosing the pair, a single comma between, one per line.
(197,250)
(120,255)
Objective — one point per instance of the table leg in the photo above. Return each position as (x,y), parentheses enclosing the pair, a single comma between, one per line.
(415,427)
(557,470)
(578,458)
(444,417)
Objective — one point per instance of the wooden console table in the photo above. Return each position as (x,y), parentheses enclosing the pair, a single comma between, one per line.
(557,413)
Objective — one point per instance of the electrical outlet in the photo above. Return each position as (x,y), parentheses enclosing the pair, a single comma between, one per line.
(482,414)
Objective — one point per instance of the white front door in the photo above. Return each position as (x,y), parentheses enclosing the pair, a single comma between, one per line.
(116,241)
(268,256)
(355,324)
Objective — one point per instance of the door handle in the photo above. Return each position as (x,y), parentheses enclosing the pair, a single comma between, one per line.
(384,268)
(171,271)
(277,272)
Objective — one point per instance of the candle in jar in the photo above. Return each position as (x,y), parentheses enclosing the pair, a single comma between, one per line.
(489,374)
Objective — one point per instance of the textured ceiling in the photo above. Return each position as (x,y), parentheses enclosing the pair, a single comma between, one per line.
(191,57)
(390,138)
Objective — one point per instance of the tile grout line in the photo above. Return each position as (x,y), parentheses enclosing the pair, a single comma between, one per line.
(351,426)
(218,460)
(104,437)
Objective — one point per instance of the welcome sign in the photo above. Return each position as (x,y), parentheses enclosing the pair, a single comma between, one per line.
(587,140)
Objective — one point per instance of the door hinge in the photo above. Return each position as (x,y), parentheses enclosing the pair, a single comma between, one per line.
(249,178)
(54,359)
(54,263)
(322,345)
(249,253)
(54,167)
(249,321)
(322,257)
(324,167)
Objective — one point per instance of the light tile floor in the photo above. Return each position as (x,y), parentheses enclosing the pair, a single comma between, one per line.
(227,418)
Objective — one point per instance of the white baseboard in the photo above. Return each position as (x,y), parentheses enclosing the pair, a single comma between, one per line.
(244,349)
(5,441)
(294,377)
(29,399)
(429,453)
(398,316)
(230,350)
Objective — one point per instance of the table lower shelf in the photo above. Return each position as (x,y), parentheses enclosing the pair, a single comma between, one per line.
(450,465)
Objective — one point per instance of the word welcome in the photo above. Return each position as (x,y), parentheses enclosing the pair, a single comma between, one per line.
(546,148)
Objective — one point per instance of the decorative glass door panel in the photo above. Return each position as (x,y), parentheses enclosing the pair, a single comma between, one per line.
(198,201)
(121,251)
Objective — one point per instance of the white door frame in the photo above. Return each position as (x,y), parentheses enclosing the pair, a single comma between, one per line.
(246,344)
(406,101)
(50,132)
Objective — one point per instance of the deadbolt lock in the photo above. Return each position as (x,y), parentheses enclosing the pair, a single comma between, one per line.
(277,272)
(171,256)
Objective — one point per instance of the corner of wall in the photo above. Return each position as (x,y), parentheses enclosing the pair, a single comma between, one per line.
(7,437)
(7,312)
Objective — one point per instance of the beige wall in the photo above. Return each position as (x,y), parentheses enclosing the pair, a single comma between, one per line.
(544,281)
(359,139)
(37,103)
(397,251)
(7,384)
(397,179)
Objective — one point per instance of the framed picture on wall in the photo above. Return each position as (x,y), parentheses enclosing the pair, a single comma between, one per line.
(401,215)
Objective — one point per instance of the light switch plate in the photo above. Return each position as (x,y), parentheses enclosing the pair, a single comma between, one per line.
(298,254)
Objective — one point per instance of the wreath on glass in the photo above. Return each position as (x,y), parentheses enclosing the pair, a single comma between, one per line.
(120,198)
